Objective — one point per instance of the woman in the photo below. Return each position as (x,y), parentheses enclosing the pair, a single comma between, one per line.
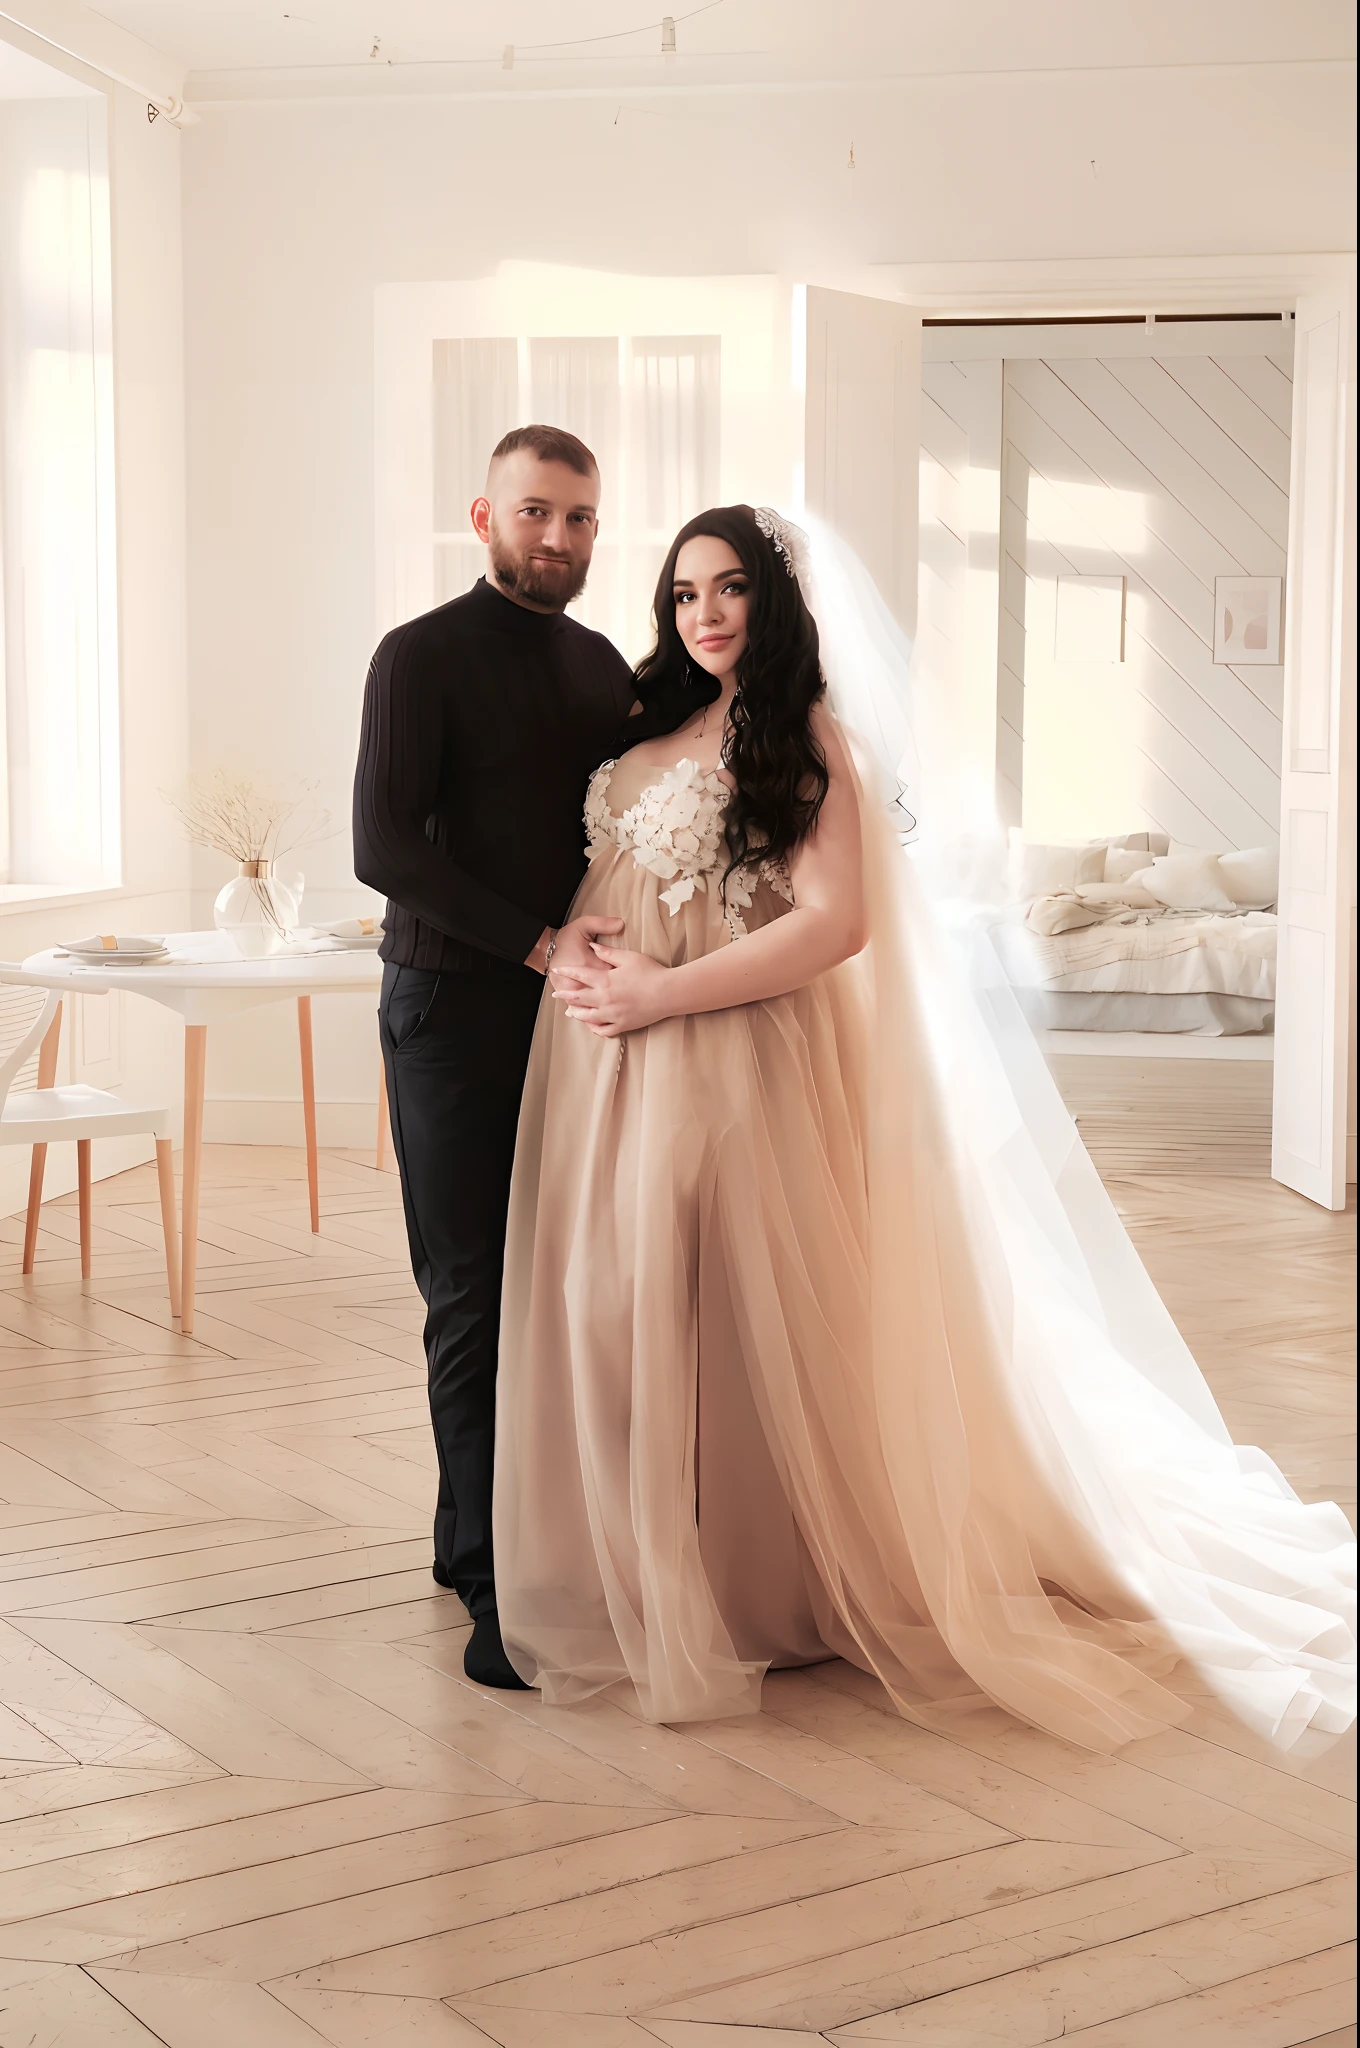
(795,1362)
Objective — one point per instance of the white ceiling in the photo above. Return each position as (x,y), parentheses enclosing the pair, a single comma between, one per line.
(327,45)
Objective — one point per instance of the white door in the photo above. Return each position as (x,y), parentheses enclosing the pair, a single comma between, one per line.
(1317,794)
(862,433)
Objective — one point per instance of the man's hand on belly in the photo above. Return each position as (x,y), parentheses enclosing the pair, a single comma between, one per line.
(570,959)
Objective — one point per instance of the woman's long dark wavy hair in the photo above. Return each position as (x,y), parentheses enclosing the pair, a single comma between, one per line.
(770,750)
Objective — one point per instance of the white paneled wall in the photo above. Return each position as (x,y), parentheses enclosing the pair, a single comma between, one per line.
(1126,455)
(978,726)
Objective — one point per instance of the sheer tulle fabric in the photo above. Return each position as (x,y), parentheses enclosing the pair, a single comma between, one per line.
(790,1369)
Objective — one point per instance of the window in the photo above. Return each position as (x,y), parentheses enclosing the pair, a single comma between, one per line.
(59,824)
(648,408)
(682,386)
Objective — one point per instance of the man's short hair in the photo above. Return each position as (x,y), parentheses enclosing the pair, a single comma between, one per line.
(549,444)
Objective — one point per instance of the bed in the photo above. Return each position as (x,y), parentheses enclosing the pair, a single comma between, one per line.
(1118,935)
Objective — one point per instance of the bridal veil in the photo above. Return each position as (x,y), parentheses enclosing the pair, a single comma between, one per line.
(1044,1423)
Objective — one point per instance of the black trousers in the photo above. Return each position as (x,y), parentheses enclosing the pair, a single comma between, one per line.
(455,1049)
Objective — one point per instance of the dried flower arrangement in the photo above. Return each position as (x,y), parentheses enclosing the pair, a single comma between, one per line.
(252,827)
(230,815)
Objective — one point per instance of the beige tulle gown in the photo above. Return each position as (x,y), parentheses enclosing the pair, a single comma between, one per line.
(784,1375)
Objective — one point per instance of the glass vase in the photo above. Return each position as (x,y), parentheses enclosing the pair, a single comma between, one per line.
(256,909)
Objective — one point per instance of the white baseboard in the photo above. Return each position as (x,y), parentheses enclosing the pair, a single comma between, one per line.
(1164,1045)
(257,1120)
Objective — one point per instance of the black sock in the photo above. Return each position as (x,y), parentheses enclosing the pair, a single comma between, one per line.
(484,1659)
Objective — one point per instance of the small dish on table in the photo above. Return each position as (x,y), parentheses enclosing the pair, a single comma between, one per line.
(127,948)
(355,934)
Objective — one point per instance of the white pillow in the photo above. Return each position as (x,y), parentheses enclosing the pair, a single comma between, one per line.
(1039,870)
(1251,878)
(1131,893)
(1186,881)
(1123,863)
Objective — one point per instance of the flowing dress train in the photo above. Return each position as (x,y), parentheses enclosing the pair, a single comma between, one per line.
(784,1375)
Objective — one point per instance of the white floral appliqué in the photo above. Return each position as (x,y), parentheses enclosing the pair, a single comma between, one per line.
(742,884)
(675,832)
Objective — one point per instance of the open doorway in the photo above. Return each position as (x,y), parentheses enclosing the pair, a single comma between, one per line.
(1105,534)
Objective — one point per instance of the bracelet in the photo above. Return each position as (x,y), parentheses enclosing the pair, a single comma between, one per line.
(552,948)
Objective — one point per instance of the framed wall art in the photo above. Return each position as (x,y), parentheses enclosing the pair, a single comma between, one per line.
(1247,612)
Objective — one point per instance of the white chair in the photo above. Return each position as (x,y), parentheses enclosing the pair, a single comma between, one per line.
(30,1018)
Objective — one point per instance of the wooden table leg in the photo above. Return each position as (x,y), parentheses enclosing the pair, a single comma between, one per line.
(165,1175)
(195,1067)
(84,1177)
(304,1004)
(47,1075)
(384,1145)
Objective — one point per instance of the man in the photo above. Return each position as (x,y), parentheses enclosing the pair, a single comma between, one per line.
(482,723)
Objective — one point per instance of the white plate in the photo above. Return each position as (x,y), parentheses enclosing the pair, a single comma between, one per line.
(352,931)
(123,947)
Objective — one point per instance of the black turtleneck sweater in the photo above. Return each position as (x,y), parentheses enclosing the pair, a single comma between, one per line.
(482,724)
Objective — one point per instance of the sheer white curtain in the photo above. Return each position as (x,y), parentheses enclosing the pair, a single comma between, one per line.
(673,451)
(574,383)
(60,632)
(476,400)
(674,447)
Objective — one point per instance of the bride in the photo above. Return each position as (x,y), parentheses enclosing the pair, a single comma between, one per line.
(813,1343)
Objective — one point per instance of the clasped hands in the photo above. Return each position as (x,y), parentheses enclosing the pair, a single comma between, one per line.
(607,988)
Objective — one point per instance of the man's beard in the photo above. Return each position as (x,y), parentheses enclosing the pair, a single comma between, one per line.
(537,581)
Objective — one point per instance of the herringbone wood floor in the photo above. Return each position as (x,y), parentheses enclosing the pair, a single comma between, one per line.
(247,1797)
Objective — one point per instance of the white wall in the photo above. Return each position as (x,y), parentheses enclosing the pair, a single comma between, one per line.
(969,695)
(126,1042)
(295,212)
(1154,452)
(1169,469)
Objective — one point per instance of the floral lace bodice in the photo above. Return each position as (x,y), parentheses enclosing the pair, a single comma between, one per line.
(675,831)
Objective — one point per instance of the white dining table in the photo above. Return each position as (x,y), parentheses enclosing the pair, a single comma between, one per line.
(206,980)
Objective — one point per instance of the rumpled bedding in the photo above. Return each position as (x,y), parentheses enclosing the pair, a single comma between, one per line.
(1061,943)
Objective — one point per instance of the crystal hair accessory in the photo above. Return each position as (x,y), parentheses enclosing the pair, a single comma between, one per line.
(789,542)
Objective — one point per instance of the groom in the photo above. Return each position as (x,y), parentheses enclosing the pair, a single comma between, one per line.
(482,724)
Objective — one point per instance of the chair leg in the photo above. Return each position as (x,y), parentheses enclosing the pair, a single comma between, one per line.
(83,1179)
(35,1188)
(165,1174)
(47,1074)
